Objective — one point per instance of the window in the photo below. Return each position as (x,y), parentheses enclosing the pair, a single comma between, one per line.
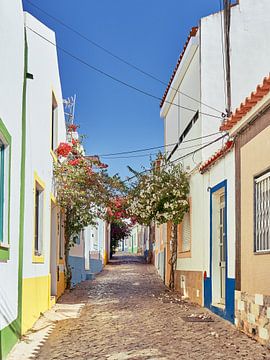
(262,213)
(2,190)
(39,201)
(54,125)
(5,161)
(186,233)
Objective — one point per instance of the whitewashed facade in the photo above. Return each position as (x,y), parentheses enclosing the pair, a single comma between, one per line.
(200,75)
(11,112)
(45,129)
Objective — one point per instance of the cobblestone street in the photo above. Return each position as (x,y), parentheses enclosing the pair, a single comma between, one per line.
(129,314)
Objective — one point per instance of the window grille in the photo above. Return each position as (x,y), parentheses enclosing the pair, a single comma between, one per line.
(262,213)
(186,233)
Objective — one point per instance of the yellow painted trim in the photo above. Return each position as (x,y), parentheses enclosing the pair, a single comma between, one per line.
(35,299)
(53,199)
(57,102)
(61,284)
(38,179)
(53,155)
(38,259)
(105,258)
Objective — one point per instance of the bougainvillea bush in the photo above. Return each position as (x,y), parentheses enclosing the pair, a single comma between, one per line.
(83,187)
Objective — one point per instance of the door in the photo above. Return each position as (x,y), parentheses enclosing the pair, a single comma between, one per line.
(222,248)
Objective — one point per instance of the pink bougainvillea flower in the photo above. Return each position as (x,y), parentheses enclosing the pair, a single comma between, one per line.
(74,162)
(63,149)
(102,166)
(72,127)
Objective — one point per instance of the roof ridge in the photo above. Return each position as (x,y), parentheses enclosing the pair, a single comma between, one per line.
(248,104)
(192,33)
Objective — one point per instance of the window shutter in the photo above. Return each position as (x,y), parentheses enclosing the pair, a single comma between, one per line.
(186,233)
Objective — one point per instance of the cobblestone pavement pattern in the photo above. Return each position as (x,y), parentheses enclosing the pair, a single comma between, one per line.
(129,314)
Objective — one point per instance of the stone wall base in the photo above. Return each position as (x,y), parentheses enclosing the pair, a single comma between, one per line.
(189,283)
(252,315)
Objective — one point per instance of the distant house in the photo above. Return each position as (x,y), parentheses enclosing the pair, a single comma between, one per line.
(88,254)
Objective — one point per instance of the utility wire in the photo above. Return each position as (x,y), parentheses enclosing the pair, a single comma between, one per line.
(116,79)
(158,147)
(153,77)
(179,158)
(149,154)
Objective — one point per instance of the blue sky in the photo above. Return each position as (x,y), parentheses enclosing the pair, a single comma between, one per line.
(148,33)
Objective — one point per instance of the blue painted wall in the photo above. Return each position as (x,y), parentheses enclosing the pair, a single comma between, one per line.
(96,265)
(77,269)
(228,312)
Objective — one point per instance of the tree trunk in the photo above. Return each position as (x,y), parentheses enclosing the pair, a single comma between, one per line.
(151,241)
(68,273)
(173,258)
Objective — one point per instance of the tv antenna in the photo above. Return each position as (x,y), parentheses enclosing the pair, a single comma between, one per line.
(69,108)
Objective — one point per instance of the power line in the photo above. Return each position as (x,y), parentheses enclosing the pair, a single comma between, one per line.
(116,79)
(179,158)
(157,147)
(149,154)
(153,77)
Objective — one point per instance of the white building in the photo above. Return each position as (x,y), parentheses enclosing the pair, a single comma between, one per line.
(45,129)
(87,256)
(200,74)
(12,121)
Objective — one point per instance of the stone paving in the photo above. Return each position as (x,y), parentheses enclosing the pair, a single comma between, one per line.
(129,314)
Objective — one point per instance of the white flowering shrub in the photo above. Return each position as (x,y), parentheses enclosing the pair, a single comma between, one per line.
(160,195)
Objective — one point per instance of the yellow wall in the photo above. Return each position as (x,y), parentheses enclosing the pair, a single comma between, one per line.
(35,300)
(61,284)
(254,267)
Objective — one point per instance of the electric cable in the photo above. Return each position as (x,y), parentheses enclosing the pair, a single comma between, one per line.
(179,158)
(158,147)
(150,154)
(115,78)
(121,59)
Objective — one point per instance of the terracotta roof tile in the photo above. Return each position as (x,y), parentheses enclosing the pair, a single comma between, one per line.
(192,33)
(218,155)
(247,105)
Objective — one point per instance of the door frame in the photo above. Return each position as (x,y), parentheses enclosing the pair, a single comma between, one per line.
(213,192)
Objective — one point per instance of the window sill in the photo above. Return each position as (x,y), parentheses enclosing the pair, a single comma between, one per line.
(219,305)
(38,259)
(4,253)
(4,246)
(263,252)
(184,254)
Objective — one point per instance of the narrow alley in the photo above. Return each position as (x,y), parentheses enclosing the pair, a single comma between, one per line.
(129,314)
